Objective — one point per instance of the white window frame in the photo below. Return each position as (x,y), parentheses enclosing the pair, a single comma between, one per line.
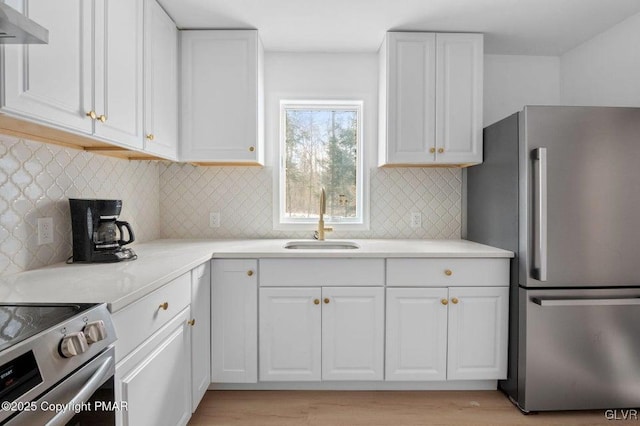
(361,222)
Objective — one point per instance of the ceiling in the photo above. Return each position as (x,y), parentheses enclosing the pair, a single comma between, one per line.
(526,27)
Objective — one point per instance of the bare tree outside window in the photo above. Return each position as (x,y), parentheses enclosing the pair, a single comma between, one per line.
(320,149)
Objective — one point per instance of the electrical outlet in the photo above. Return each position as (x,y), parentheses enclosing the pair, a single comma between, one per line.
(45,230)
(416,219)
(214,220)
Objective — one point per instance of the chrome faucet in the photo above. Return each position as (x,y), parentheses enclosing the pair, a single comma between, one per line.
(319,234)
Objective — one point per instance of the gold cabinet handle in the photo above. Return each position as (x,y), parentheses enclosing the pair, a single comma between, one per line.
(102,118)
(444,301)
(150,137)
(448,272)
(432,150)
(252,148)
(192,322)
(250,272)
(164,306)
(316,301)
(454,300)
(440,150)
(92,115)
(326,300)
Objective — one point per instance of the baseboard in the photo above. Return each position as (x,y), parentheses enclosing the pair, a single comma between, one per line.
(361,386)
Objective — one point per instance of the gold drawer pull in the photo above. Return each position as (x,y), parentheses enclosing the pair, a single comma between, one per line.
(316,301)
(191,322)
(92,115)
(444,301)
(150,136)
(102,118)
(250,272)
(164,306)
(432,150)
(440,150)
(455,300)
(448,272)
(252,148)
(326,300)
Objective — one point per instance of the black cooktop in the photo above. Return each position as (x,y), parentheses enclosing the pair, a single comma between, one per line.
(21,321)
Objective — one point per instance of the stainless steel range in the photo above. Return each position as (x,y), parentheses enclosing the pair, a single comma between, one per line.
(56,364)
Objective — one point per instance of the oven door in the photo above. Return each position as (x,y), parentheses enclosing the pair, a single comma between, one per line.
(86,397)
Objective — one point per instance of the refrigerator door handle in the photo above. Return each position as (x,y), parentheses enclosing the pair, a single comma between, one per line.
(604,301)
(540,251)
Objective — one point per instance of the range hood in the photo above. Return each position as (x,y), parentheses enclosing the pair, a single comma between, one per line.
(15,28)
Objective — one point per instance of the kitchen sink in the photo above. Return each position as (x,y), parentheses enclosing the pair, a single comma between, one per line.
(321,245)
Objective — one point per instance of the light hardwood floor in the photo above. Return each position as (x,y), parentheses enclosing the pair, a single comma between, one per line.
(331,408)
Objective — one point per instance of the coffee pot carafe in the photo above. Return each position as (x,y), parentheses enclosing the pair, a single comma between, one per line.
(97,234)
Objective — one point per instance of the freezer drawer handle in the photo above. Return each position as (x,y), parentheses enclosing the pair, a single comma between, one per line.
(539,155)
(614,301)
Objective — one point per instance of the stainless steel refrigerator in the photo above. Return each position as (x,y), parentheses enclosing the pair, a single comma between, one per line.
(560,187)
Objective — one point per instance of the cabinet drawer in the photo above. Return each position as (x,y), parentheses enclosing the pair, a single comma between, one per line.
(445,272)
(138,321)
(321,272)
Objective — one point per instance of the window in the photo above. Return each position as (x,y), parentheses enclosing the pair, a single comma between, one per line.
(321,147)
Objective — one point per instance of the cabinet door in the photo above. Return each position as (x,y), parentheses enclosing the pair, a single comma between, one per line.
(234,321)
(459,98)
(416,334)
(200,332)
(52,83)
(352,333)
(118,70)
(153,381)
(161,82)
(410,95)
(290,337)
(221,103)
(477,333)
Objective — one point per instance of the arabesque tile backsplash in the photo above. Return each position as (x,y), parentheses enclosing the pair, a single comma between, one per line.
(36,179)
(244,198)
(172,200)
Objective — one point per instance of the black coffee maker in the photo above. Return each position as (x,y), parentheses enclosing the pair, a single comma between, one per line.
(95,231)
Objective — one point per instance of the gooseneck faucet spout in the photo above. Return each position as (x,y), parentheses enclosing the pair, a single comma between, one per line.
(319,234)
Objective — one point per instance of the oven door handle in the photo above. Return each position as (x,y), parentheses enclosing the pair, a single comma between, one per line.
(93,384)
(605,301)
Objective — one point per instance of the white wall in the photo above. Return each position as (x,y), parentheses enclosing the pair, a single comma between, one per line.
(512,81)
(605,70)
(329,76)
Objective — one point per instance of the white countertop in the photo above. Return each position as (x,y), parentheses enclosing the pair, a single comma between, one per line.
(160,261)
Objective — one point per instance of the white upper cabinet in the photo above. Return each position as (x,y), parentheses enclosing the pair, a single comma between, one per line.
(430,98)
(52,83)
(222,97)
(161,82)
(118,70)
(88,78)
(459,62)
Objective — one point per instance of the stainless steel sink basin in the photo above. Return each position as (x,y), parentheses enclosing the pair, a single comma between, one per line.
(321,245)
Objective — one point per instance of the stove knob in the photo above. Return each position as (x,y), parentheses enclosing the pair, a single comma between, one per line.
(73,344)
(95,331)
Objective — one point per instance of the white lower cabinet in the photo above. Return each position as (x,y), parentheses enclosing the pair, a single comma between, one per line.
(478,329)
(352,333)
(154,378)
(200,332)
(290,334)
(329,333)
(234,321)
(459,333)
(416,334)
